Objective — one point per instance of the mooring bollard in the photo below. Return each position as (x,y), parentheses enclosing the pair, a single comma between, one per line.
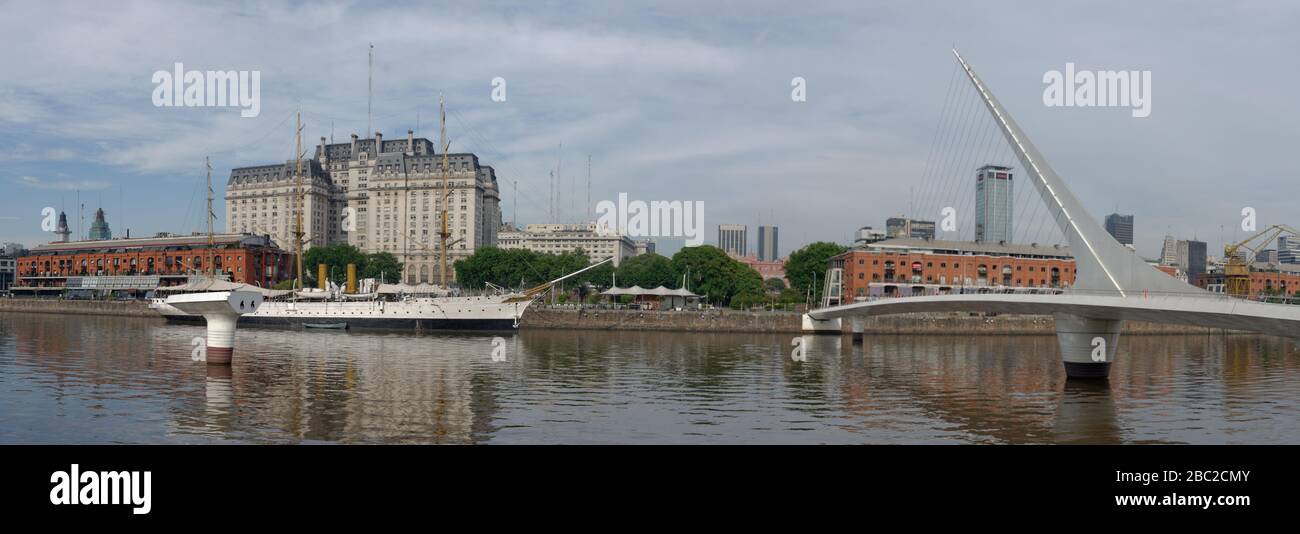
(221,310)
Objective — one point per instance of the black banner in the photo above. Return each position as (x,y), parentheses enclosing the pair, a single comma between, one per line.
(297,483)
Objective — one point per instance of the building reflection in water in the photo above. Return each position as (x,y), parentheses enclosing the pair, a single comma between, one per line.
(132,380)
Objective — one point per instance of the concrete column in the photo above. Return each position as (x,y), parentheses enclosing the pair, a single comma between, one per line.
(859,326)
(221,310)
(818,326)
(1087,345)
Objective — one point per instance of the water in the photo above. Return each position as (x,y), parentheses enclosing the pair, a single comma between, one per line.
(85,379)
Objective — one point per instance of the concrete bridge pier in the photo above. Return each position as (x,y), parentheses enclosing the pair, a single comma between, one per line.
(859,326)
(1087,345)
(221,310)
(821,326)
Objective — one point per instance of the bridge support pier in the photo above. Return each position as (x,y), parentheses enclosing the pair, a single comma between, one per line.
(1087,345)
(821,326)
(859,326)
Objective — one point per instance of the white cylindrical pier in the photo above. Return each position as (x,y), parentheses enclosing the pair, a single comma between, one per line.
(221,310)
(1087,345)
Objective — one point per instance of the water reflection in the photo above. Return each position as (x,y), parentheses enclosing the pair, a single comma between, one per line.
(120,380)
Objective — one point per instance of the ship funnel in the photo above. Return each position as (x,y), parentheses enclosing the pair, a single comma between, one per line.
(352,278)
(322,276)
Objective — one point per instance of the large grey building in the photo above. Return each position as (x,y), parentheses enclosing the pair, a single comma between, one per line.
(378,195)
(994,202)
(732,239)
(1191,257)
(767,243)
(1288,250)
(1120,227)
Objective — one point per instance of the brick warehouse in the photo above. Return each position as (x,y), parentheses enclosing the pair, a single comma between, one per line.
(903,266)
(245,258)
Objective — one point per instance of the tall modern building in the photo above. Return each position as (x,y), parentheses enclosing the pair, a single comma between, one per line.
(732,239)
(994,201)
(1288,250)
(896,227)
(767,247)
(1191,257)
(1120,227)
(378,195)
(1169,251)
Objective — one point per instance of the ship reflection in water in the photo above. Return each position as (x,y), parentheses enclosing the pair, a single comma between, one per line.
(69,379)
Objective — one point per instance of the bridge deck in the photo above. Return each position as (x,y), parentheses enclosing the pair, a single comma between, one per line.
(1210,311)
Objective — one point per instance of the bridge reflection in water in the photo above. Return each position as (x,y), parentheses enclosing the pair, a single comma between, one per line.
(105,380)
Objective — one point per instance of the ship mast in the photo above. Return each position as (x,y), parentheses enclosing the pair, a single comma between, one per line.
(443,231)
(299,195)
(212,267)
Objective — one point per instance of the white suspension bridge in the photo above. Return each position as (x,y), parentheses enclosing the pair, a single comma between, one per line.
(1112,283)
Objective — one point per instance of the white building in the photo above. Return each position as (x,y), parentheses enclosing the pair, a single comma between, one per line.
(377,195)
(559,238)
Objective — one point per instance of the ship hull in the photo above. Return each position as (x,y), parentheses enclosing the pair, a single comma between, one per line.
(449,314)
(426,324)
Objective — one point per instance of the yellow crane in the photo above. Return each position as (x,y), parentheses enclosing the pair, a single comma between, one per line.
(1239,256)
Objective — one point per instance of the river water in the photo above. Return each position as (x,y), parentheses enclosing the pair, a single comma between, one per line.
(88,379)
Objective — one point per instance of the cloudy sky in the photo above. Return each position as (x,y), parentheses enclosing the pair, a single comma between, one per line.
(672,101)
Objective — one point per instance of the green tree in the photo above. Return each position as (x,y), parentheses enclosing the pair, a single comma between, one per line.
(380,265)
(775,285)
(711,272)
(336,258)
(648,271)
(809,263)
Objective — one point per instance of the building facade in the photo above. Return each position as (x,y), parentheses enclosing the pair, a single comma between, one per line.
(561,238)
(994,204)
(767,243)
(768,270)
(906,266)
(1265,279)
(1288,250)
(1120,227)
(168,260)
(378,195)
(8,272)
(733,238)
(903,227)
(1169,251)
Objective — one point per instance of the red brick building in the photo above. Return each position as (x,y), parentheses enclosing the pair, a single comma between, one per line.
(1265,279)
(766,269)
(908,266)
(245,258)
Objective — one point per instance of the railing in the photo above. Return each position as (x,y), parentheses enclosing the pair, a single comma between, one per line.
(1132,294)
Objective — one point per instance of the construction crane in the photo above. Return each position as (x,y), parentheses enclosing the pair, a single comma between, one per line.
(1239,256)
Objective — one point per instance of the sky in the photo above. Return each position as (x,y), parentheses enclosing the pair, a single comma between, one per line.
(685,101)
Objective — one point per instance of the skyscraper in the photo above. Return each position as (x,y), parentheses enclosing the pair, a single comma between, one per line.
(732,238)
(1121,227)
(1192,258)
(1169,251)
(767,245)
(994,198)
(1288,250)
